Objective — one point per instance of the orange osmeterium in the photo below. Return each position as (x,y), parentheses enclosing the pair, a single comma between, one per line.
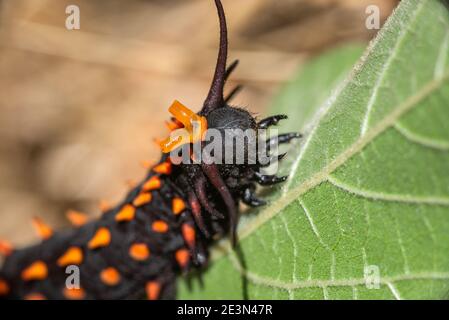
(183,114)
(74,294)
(43,230)
(139,251)
(127,213)
(188,233)
(159,226)
(36,271)
(195,127)
(101,238)
(110,276)
(73,255)
(4,288)
(173,125)
(182,256)
(178,205)
(153,289)
(142,199)
(76,218)
(152,184)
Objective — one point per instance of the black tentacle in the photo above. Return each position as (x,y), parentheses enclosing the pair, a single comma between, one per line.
(231,69)
(233,93)
(200,190)
(196,212)
(214,176)
(215,97)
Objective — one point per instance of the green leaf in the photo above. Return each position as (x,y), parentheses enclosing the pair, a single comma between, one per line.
(369,185)
(309,90)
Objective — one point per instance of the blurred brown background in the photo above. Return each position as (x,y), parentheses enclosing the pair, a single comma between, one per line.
(79,109)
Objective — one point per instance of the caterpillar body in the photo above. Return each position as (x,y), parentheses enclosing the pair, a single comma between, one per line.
(164,226)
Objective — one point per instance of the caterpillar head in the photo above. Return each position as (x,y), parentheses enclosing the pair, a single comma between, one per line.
(231,182)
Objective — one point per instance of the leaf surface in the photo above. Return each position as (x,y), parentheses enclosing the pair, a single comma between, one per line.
(368,196)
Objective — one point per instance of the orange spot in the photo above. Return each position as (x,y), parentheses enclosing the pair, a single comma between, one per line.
(4,288)
(73,255)
(182,257)
(142,199)
(188,233)
(74,294)
(127,213)
(35,296)
(153,289)
(104,206)
(178,205)
(102,238)
(139,251)
(36,271)
(160,226)
(77,218)
(6,248)
(42,229)
(110,276)
(163,168)
(152,184)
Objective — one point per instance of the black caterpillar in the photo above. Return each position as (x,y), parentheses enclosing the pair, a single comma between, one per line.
(165,225)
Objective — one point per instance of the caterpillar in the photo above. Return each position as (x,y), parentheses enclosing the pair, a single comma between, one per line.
(165,225)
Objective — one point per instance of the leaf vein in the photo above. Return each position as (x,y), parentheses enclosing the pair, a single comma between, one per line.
(381,196)
(442,57)
(350,282)
(421,140)
(312,225)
